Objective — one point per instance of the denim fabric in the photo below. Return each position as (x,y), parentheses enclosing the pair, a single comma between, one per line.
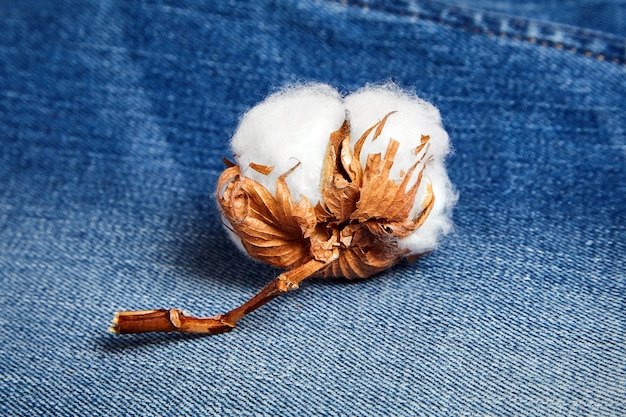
(602,15)
(114,117)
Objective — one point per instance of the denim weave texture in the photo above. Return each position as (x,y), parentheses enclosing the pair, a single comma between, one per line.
(115,116)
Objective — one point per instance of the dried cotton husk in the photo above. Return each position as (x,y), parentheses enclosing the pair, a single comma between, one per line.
(328,186)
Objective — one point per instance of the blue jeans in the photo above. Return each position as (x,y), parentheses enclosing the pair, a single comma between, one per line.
(114,117)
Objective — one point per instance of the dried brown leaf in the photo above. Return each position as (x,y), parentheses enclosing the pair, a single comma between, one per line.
(271,228)
(341,178)
(261,169)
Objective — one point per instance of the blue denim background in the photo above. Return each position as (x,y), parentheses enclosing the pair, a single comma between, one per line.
(114,116)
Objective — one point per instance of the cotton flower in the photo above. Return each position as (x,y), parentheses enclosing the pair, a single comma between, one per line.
(326,185)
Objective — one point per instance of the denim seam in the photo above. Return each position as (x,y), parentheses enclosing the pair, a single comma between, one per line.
(576,40)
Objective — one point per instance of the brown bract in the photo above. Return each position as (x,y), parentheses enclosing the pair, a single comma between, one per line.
(354,229)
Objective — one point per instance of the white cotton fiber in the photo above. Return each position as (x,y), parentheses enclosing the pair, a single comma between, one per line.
(294,125)
(290,126)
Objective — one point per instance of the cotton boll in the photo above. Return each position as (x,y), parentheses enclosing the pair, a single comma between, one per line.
(294,127)
(290,127)
(414,117)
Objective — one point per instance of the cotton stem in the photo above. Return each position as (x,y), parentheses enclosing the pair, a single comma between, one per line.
(174,320)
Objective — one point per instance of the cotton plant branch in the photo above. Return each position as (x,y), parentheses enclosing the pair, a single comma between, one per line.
(367,207)
(175,320)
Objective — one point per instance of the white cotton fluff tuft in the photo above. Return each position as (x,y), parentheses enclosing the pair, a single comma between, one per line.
(294,125)
(290,126)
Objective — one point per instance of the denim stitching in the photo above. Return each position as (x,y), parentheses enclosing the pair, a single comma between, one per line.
(455,17)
